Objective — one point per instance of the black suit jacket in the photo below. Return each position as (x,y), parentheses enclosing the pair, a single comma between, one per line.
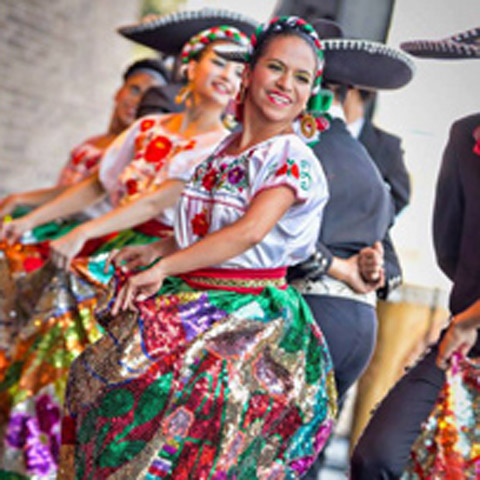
(360,209)
(386,151)
(456,218)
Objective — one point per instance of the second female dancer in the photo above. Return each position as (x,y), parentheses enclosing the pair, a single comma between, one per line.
(220,370)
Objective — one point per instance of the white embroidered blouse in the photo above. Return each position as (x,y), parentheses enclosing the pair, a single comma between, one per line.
(223,186)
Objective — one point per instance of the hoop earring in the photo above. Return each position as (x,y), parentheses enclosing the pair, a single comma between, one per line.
(183,94)
(308,125)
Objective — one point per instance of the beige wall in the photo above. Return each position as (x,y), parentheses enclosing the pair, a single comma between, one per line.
(60,63)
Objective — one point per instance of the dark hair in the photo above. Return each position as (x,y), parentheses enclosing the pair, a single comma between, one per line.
(147,64)
(366,96)
(338,89)
(266,38)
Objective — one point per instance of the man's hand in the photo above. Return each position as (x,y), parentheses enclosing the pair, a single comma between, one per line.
(370,263)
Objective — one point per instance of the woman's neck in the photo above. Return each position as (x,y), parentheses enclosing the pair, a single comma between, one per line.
(116,126)
(257,129)
(197,118)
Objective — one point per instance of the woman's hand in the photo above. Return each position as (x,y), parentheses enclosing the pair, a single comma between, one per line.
(461,334)
(139,287)
(11,231)
(130,258)
(8,204)
(65,248)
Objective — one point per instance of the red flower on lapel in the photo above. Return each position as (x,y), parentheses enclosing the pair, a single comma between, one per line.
(476,136)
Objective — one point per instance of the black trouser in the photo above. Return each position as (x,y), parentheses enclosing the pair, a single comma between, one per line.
(350,330)
(384,447)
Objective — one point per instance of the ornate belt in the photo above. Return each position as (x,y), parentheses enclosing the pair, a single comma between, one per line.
(237,280)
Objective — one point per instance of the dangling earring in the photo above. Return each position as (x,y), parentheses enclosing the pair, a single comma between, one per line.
(238,105)
(308,125)
(183,94)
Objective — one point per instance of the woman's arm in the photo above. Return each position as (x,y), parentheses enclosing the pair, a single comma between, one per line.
(138,211)
(74,199)
(31,198)
(461,334)
(264,212)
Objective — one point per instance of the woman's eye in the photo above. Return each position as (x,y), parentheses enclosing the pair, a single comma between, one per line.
(134,90)
(239,72)
(218,62)
(303,79)
(275,67)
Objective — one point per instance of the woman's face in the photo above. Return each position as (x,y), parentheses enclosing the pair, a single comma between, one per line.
(129,95)
(280,83)
(214,79)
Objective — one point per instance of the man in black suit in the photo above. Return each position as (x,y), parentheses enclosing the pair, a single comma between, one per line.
(386,151)
(384,448)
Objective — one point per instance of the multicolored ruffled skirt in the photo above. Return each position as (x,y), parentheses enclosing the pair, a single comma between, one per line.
(221,375)
(449,446)
(47,320)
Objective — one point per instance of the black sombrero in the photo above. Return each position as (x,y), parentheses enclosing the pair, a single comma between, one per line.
(168,33)
(463,45)
(361,63)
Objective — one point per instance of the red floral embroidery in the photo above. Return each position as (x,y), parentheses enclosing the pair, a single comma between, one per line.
(476,136)
(190,145)
(158,149)
(289,168)
(295,171)
(77,158)
(282,170)
(210,178)
(200,224)
(132,186)
(92,162)
(146,125)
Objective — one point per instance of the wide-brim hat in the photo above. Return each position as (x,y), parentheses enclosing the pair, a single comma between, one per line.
(465,45)
(168,33)
(361,63)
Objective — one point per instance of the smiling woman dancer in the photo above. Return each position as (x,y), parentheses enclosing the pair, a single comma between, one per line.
(159,153)
(222,373)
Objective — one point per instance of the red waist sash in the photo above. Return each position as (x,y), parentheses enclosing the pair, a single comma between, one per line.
(237,280)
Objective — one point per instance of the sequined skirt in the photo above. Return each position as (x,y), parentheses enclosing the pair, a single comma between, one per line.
(48,321)
(448,447)
(202,383)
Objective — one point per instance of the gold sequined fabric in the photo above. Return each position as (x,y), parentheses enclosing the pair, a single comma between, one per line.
(449,446)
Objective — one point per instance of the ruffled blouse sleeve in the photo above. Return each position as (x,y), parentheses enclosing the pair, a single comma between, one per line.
(117,156)
(292,164)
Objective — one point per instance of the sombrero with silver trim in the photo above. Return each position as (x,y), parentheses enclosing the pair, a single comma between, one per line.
(361,63)
(168,33)
(463,45)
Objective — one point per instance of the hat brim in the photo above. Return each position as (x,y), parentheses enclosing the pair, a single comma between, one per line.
(366,64)
(169,33)
(233,53)
(441,49)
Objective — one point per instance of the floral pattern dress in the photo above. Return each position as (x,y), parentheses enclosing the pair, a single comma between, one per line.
(83,161)
(49,313)
(223,374)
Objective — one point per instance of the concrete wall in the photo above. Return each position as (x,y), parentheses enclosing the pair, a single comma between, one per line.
(60,64)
